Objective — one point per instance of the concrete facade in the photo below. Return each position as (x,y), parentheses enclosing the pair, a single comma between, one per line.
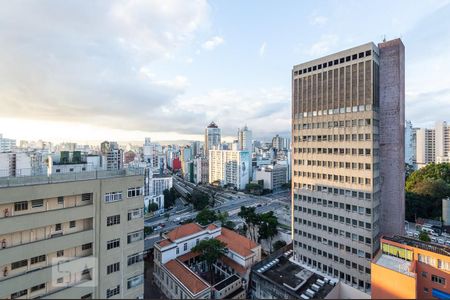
(341,160)
(72,238)
(392,136)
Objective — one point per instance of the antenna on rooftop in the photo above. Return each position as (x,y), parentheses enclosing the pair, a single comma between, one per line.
(384,38)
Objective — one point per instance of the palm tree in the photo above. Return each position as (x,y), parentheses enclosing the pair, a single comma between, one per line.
(211,250)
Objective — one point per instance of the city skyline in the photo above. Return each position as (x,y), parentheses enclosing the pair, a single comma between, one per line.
(93,75)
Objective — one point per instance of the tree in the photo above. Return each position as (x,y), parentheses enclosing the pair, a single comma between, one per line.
(268,227)
(425,189)
(229,224)
(169,197)
(205,217)
(423,236)
(210,251)
(148,230)
(278,245)
(199,200)
(251,219)
(409,169)
(222,217)
(153,207)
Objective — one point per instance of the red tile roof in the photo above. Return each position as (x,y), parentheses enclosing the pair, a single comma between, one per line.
(188,256)
(184,230)
(212,227)
(234,265)
(189,279)
(236,242)
(164,242)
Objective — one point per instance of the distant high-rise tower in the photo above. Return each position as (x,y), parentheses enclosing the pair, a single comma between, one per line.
(410,144)
(245,139)
(425,147)
(112,156)
(348,174)
(212,138)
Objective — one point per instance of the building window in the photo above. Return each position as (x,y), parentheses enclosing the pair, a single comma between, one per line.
(113,291)
(86,246)
(19,264)
(61,200)
(58,227)
(134,192)
(37,287)
(72,224)
(59,253)
(60,280)
(19,294)
(135,281)
(135,236)
(86,197)
(37,259)
(113,220)
(113,197)
(424,274)
(185,247)
(19,206)
(87,296)
(135,258)
(135,213)
(438,279)
(37,203)
(425,290)
(113,244)
(115,267)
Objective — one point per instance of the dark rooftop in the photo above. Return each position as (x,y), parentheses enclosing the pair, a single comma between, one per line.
(212,125)
(440,249)
(291,277)
(226,282)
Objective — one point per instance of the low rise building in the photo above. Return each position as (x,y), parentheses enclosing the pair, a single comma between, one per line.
(406,268)
(279,276)
(273,176)
(181,274)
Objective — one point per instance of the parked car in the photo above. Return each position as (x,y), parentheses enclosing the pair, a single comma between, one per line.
(441,241)
(416,234)
(410,233)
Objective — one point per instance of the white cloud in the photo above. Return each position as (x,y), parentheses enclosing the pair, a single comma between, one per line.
(319,20)
(325,44)
(262,49)
(66,62)
(213,43)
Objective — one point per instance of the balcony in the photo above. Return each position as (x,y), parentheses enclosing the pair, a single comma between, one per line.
(45,274)
(44,218)
(45,246)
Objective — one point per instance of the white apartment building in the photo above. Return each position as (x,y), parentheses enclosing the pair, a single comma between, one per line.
(230,167)
(442,139)
(179,273)
(112,156)
(425,147)
(273,176)
(7,145)
(72,238)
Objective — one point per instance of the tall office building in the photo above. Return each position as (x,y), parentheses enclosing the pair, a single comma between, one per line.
(278,142)
(112,156)
(425,147)
(77,237)
(212,138)
(348,173)
(245,139)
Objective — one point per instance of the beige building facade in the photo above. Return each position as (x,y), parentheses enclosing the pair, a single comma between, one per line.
(76,236)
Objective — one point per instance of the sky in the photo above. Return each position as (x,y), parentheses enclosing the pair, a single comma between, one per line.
(125,70)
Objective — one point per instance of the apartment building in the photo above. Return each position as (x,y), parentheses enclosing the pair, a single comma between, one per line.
(442,139)
(273,176)
(180,274)
(406,268)
(425,147)
(230,167)
(348,160)
(112,156)
(77,235)
(212,138)
(7,145)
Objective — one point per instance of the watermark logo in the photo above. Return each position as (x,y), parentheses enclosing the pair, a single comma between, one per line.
(69,271)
